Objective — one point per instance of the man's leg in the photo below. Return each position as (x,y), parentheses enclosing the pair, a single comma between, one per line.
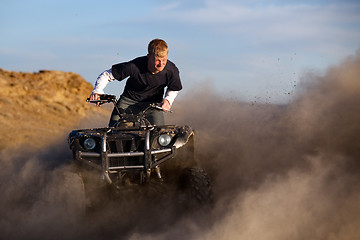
(127,105)
(114,117)
(156,117)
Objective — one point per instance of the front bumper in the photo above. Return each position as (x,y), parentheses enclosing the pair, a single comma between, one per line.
(113,156)
(84,156)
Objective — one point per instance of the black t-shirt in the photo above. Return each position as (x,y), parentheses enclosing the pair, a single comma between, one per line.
(142,85)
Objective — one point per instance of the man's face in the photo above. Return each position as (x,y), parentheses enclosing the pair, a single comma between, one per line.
(156,63)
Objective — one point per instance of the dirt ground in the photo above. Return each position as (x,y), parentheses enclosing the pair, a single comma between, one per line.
(37,107)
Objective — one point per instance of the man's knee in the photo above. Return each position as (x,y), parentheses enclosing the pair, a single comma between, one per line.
(156,118)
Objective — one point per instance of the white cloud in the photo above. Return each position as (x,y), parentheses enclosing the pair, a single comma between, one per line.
(271,22)
(168,6)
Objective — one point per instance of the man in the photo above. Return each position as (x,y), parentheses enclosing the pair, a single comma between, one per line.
(148,77)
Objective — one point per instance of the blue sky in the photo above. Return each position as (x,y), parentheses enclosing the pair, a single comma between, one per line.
(251,50)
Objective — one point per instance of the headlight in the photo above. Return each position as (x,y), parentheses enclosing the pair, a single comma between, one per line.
(164,140)
(89,143)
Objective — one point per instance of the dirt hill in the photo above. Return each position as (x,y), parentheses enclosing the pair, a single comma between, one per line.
(36,106)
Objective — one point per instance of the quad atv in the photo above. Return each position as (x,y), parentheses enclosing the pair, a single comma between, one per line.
(136,153)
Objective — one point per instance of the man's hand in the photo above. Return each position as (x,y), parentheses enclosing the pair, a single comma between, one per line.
(95,96)
(166,105)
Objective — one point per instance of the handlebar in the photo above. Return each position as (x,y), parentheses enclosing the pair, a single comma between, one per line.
(106,98)
(153,105)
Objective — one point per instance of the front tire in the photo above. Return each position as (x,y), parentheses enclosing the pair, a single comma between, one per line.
(195,189)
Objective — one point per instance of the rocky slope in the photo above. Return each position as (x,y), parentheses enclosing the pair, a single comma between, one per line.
(36,106)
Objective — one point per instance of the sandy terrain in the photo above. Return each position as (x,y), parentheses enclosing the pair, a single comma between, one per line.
(35,107)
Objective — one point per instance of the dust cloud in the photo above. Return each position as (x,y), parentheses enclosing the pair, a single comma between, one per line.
(279,172)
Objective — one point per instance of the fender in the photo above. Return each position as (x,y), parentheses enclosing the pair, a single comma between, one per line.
(184,135)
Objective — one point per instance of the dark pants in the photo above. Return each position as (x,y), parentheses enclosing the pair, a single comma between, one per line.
(128,105)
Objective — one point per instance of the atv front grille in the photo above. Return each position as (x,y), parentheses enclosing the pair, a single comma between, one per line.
(126,146)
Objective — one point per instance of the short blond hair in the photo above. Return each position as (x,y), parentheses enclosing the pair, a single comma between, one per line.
(158,47)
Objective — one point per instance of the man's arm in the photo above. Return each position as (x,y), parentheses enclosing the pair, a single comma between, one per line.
(169,99)
(103,79)
(101,82)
